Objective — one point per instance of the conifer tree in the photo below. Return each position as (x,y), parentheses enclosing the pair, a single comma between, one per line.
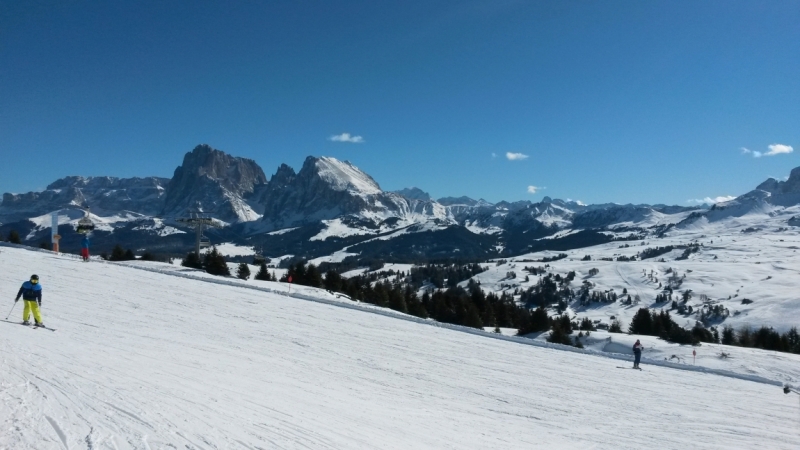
(147,256)
(793,338)
(559,335)
(243,272)
(539,320)
(191,260)
(397,302)
(262,273)
(117,253)
(333,281)
(380,296)
(728,335)
(215,263)
(13,237)
(414,304)
(745,337)
(473,317)
(642,323)
(313,278)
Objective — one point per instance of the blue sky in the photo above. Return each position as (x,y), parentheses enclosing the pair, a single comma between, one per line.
(613,101)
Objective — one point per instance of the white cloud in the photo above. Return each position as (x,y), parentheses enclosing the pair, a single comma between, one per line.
(747,151)
(776,149)
(346,137)
(534,189)
(516,156)
(711,201)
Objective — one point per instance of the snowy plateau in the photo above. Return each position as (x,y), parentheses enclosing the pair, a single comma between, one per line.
(156,356)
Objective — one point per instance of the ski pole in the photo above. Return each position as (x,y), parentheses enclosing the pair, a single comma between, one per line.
(12,309)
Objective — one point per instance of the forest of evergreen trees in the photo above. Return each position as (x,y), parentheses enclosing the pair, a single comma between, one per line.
(472,307)
(653,323)
(457,305)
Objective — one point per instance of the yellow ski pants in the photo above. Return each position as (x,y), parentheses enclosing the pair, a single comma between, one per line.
(31,306)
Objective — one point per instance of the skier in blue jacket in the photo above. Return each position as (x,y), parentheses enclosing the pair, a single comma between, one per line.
(31,293)
(637,353)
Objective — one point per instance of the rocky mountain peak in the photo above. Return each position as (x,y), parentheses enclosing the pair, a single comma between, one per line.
(340,175)
(414,193)
(463,200)
(214,182)
(103,194)
(234,173)
(283,176)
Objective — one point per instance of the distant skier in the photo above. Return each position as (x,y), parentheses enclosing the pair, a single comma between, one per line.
(85,248)
(637,353)
(31,293)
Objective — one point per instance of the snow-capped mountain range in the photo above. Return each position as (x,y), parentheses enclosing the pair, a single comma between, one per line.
(332,206)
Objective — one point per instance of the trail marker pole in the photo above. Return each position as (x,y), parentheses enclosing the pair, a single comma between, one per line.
(290,283)
(694,356)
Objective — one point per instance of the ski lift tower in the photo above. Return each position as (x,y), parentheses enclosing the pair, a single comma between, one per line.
(198,223)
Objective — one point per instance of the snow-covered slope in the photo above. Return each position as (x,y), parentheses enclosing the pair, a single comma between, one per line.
(753,257)
(344,176)
(145,360)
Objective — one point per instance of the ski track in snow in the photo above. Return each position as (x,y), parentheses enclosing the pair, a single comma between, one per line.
(174,363)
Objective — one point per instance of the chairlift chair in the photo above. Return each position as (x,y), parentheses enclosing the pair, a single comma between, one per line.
(205,242)
(85,225)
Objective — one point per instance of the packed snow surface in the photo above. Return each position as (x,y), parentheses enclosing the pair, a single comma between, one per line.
(147,360)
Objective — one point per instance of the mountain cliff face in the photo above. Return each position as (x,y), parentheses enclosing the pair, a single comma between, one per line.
(414,193)
(105,195)
(782,193)
(769,197)
(326,189)
(215,183)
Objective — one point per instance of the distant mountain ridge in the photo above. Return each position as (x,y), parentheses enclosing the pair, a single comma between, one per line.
(331,205)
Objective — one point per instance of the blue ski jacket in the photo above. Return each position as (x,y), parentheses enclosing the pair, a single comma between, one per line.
(85,242)
(30,291)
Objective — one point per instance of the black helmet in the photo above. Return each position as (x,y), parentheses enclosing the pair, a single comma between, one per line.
(34,277)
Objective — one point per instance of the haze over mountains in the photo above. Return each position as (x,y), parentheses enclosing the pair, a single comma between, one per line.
(331,206)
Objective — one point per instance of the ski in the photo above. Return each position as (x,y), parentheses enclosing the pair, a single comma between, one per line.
(637,368)
(18,323)
(28,325)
